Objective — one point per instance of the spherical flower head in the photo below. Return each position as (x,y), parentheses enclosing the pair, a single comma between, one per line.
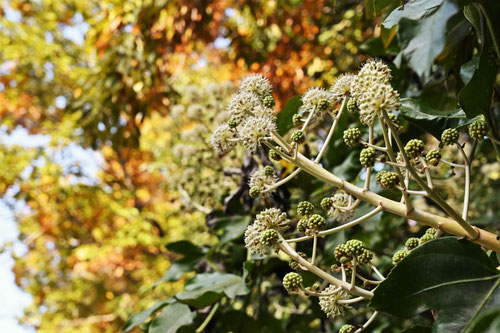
(433,157)
(352,105)
(273,218)
(298,136)
(193,93)
(255,192)
(220,139)
(412,243)
(177,111)
(305,208)
(414,148)
(269,237)
(376,99)
(319,99)
(269,102)
(255,129)
(269,171)
(242,105)
(341,254)
(347,329)
(374,72)
(253,237)
(294,264)
(430,234)
(316,222)
(273,155)
(399,256)
(330,304)
(354,247)
(478,129)
(341,199)
(368,157)
(260,179)
(449,136)
(352,136)
(302,225)
(326,203)
(366,256)
(342,86)
(257,84)
(292,282)
(387,179)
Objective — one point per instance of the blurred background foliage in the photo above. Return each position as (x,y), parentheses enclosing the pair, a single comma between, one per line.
(133,88)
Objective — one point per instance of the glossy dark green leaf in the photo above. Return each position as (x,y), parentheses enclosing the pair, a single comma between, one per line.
(171,319)
(431,120)
(472,15)
(475,97)
(141,317)
(413,10)
(284,120)
(191,256)
(452,277)
(468,69)
(423,40)
(205,289)
(488,322)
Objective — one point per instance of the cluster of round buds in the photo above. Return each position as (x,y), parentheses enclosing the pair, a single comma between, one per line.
(430,234)
(478,129)
(221,139)
(273,155)
(316,223)
(302,225)
(449,136)
(412,243)
(344,253)
(258,236)
(352,136)
(347,329)
(414,148)
(394,119)
(261,179)
(368,157)
(352,105)
(387,179)
(318,99)
(297,119)
(254,192)
(398,256)
(292,282)
(335,204)
(298,137)
(341,88)
(294,264)
(433,157)
(305,208)
(330,304)
(269,101)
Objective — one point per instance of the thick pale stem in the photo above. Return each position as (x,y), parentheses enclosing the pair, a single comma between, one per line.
(372,318)
(368,280)
(454,165)
(312,293)
(319,272)
(352,300)
(427,171)
(465,211)
(353,275)
(315,245)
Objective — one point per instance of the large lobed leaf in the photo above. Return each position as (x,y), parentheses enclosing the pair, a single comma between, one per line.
(453,277)
(285,116)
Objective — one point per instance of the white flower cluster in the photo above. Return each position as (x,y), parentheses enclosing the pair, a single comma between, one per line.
(271,218)
(329,304)
(342,86)
(251,120)
(341,199)
(319,100)
(220,139)
(373,93)
(259,179)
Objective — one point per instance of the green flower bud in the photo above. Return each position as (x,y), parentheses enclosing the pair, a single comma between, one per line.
(412,243)
(347,329)
(398,256)
(296,119)
(352,105)
(352,136)
(394,119)
(292,282)
(268,101)
(302,225)
(316,222)
(414,148)
(387,179)
(340,253)
(327,203)
(449,136)
(273,155)
(268,170)
(323,104)
(354,247)
(269,237)
(298,137)
(478,129)
(305,208)
(366,256)
(433,157)
(294,264)
(232,123)
(368,157)
(255,192)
